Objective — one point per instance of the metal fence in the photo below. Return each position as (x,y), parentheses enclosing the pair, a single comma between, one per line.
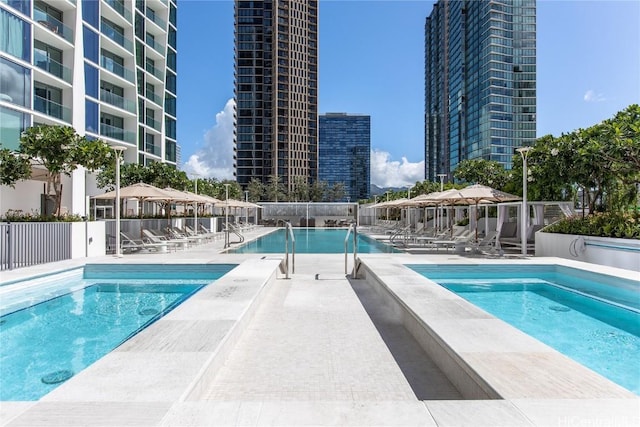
(303,214)
(30,243)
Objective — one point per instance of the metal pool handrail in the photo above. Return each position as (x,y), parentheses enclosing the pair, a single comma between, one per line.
(354,228)
(289,233)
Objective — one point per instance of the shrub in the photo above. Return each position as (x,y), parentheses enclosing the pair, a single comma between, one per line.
(18,215)
(624,225)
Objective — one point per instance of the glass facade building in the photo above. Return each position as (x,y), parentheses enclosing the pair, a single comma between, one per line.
(276,91)
(345,153)
(480,82)
(105,67)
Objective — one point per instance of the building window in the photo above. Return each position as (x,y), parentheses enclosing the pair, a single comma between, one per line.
(90,12)
(90,42)
(91,116)
(15,84)
(12,124)
(23,6)
(15,37)
(91,80)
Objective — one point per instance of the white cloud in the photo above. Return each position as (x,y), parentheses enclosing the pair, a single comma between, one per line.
(592,96)
(386,172)
(215,158)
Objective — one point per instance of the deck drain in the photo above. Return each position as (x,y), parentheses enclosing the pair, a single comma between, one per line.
(559,308)
(148,311)
(57,376)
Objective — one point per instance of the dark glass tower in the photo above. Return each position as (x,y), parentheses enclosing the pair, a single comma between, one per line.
(345,153)
(480,82)
(276,91)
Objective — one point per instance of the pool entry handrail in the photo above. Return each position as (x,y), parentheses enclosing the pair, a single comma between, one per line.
(352,227)
(289,234)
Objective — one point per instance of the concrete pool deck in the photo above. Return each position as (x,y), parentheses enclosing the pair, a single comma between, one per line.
(322,348)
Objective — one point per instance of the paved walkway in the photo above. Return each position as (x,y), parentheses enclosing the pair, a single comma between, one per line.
(312,339)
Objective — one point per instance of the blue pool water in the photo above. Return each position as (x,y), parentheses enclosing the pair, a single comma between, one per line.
(592,318)
(81,315)
(313,241)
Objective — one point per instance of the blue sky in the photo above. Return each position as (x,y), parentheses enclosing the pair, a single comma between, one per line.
(372,62)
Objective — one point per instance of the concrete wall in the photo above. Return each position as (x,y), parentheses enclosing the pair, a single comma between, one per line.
(620,253)
(88,239)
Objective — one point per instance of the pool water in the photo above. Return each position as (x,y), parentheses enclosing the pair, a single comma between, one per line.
(47,342)
(602,334)
(313,241)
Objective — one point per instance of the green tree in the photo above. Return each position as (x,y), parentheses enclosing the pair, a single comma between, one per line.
(317,191)
(482,171)
(61,150)
(300,189)
(13,167)
(336,192)
(256,190)
(274,190)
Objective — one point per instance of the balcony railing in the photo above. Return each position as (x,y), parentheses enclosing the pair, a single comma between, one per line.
(115,68)
(116,36)
(156,19)
(119,7)
(51,108)
(155,45)
(117,101)
(154,98)
(153,123)
(153,70)
(52,67)
(117,133)
(52,24)
(152,149)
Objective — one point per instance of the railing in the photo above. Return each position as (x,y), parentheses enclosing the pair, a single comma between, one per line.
(154,71)
(51,108)
(154,45)
(120,8)
(117,101)
(353,228)
(116,36)
(117,69)
(52,24)
(52,67)
(23,244)
(151,14)
(117,133)
(153,97)
(288,233)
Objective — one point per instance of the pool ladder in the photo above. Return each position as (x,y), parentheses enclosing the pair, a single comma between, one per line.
(288,234)
(352,228)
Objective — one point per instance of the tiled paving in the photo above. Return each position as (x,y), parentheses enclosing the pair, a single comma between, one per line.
(320,349)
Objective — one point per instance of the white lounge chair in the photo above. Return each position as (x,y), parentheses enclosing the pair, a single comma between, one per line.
(129,245)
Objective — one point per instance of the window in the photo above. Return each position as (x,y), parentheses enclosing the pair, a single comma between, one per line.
(91,80)
(23,6)
(12,124)
(15,37)
(91,116)
(15,84)
(90,44)
(90,12)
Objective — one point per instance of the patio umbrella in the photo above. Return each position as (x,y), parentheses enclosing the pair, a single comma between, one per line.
(476,194)
(142,192)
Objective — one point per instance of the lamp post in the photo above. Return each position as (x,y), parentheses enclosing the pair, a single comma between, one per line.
(195,212)
(524,151)
(118,149)
(441,176)
(226,216)
(246,212)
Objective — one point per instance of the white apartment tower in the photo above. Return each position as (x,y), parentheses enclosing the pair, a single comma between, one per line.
(105,67)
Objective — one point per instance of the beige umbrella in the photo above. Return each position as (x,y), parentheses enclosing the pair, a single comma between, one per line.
(476,194)
(143,192)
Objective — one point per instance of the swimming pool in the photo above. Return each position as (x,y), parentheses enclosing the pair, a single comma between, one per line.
(592,318)
(313,241)
(80,315)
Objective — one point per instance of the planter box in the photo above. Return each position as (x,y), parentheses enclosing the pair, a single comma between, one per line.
(620,253)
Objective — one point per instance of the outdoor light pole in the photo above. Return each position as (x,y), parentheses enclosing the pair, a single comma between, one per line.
(441,176)
(524,151)
(226,216)
(118,149)
(195,212)
(246,212)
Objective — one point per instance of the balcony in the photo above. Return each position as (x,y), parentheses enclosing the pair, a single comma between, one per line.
(119,7)
(117,69)
(152,149)
(52,67)
(51,109)
(153,98)
(156,19)
(155,72)
(117,133)
(149,121)
(117,101)
(117,37)
(52,24)
(155,45)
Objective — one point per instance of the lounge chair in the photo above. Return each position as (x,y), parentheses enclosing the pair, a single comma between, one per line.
(156,238)
(486,245)
(176,233)
(129,245)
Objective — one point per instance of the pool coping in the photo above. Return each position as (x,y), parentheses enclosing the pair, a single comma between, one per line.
(483,355)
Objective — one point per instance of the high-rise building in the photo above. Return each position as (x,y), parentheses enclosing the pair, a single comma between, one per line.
(276,91)
(480,82)
(105,67)
(345,153)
